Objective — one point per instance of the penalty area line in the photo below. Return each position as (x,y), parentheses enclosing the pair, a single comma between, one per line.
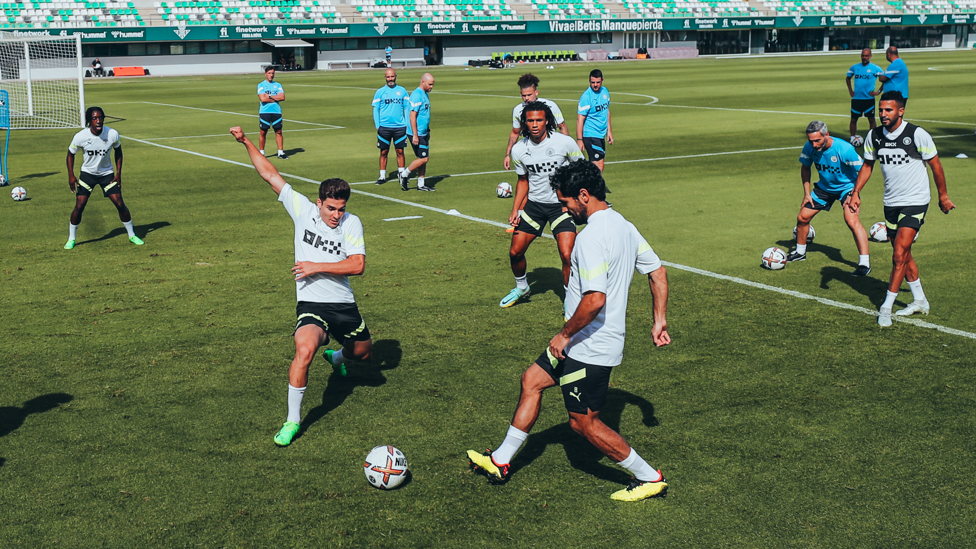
(702,272)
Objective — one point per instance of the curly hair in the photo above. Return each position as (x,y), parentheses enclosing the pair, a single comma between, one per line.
(528,80)
(537,106)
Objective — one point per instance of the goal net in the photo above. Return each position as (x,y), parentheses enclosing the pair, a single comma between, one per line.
(44,80)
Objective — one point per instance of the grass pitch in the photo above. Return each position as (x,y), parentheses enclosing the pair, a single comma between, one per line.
(143,384)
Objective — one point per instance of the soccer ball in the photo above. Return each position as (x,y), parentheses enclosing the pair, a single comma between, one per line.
(857,140)
(774,259)
(879,232)
(385,467)
(811,234)
(18,194)
(503,190)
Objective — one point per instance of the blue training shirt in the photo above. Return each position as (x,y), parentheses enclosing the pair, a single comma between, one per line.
(897,71)
(837,166)
(864,77)
(270,88)
(596,108)
(420,102)
(391,107)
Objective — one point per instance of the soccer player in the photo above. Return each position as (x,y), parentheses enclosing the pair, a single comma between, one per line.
(593,120)
(271,93)
(391,110)
(903,149)
(329,248)
(95,142)
(837,163)
(864,74)
(536,156)
(582,355)
(418,132)
(895,77)
(529,87)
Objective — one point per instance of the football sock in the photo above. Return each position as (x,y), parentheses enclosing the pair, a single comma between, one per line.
(403,172)
(128,227)
(889,300)
(280,152)
(522,283)
(420,181)
(917,292)
(262,152)
(338,358)
(382,174)
(565,292)
(72,231)
(295,396)
(866,261)
(639,468)
(801,248)
(513,441)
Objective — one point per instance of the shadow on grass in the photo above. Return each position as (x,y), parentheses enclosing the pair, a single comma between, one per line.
(12,417)
(386,356)
(36,175)
(581,454)
(293,152)
(547,279)
(872,288)
(832,253)
(140,230)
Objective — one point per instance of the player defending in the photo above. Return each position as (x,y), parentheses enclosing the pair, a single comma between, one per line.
(96,141)
(837,163)
(903,150)
(529,86)
(271,93)
(418,133)
(593,120)
(329,248)
(864,74)
(895,77)
(582,355)
(391,110)
(537,155)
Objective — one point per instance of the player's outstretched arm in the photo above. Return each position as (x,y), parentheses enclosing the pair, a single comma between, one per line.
(265,168)
(658,281)
(938,174)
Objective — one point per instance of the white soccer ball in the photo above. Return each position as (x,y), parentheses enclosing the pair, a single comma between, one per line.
(811,234)
(18,194)
(774,258)
(879,232)
(857,140)
(385,467)
(503,190)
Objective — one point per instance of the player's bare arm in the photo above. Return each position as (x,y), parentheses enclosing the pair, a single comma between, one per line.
(72,180)
(586,312)
(118,165)
(580,120)
(512,140)
(609,130)
(521,196)
(265,168)
(658,281)
(938,174)
(850,90)
(805,174)
(413,126)
(353,265)
(853,202)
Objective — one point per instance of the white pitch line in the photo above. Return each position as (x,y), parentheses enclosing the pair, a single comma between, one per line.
(758,285)
(225,135)
(241,114)
(404,218)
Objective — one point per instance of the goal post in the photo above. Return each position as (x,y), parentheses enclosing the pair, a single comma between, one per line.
(44,79)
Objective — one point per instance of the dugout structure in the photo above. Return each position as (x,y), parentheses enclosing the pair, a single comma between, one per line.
(44,81)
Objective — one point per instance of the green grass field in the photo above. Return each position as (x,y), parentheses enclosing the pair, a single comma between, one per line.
(143,384)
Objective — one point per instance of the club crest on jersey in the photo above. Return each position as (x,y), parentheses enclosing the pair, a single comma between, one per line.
(550,152)
(907,141)
(833,159)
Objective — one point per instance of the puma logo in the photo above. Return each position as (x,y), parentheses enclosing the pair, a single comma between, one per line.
(576,394)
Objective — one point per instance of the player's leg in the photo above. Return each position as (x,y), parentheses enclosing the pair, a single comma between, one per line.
(854,125)
(399,141)
(81,200)
(870,116)
(853,220)
(383,141)
(280,141)
(521,239)
(262,137)
(419,166)
(114,193)
(349,329)
(905,223)
(308,338)
(802,230)
(565,240)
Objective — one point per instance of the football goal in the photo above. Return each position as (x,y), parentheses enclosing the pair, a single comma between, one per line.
(44,80)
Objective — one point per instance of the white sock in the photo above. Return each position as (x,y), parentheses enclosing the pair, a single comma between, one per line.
(128,228)
(889,300)
(565,291)
(295,395)
(514,439)
(917,292)
(420,181)
(262,152)
(382,174)
(403,171)
(338,358)
(801,248)
(639,468)
(280,152)
(522,283)
(72,231)
(864,260)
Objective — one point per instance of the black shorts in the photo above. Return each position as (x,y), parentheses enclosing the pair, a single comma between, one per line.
(596,149)
(896,217)
(422,149)
(270,120)
(340,320)
(862,107)
(88,181)
(823,200)
(584,386)
(535,216)
(386,136)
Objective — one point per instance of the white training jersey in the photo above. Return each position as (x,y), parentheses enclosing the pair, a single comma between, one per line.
(905,176)
(317,242)
(97,149)
(538,161)
(517,113)
(604,257)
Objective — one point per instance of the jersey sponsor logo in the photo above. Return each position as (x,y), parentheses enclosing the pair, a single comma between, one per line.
(316,241)
(393,101)
(544,167)
(826,168)
(93,154)
(863,76)
(600,108)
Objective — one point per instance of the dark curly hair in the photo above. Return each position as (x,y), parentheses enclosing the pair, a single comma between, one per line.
(570,178)
(528,80)
(537,106)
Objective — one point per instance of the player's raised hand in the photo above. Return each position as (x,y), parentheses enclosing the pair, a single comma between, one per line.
(238,133)
(659,333)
